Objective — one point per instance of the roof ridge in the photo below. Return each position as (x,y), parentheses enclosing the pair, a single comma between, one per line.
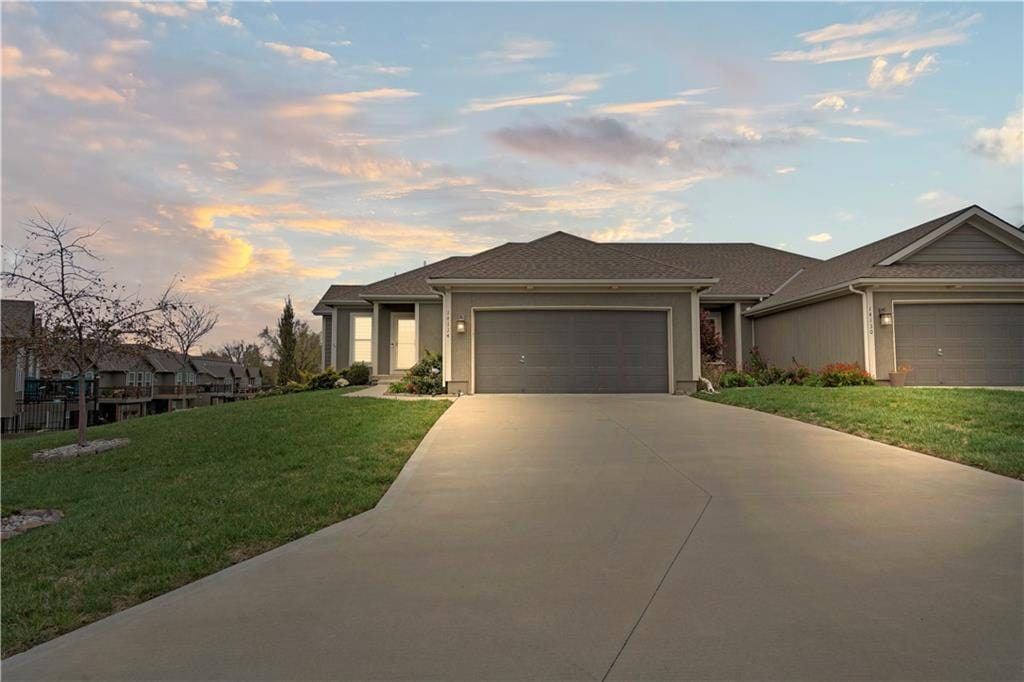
(519,245)
(685,271)
(758,245)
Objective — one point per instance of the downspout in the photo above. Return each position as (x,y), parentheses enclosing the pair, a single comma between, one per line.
(868,340)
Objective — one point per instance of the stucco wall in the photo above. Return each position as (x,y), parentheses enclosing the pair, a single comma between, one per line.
(682,338)
(430,328)
(884,336)
(815,335)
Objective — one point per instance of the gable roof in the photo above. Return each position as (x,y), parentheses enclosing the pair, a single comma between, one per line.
(164,361)
(212,366)
(338,293)
(863,263)
(562,256)
(743,269)
(124,359)
(414,282)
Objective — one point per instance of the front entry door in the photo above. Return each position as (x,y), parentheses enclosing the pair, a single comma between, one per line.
(403,341)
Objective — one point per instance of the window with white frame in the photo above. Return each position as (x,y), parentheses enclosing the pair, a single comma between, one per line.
(131,378)
(361,347)
(149,378)
(177,378)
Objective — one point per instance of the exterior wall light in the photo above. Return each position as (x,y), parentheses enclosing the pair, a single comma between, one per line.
(460,325)
(884,318)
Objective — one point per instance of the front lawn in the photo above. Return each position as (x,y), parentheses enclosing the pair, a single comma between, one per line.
(982,428)
(194,492)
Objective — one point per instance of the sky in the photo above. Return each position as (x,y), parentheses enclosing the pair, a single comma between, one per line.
(263,150)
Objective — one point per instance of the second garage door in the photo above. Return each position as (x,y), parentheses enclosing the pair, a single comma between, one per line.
(571,351)
(961,344)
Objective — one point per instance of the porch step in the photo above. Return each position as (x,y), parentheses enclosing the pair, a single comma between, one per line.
(387,378)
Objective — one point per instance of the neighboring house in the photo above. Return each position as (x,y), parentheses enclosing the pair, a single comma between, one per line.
(174,381)
(562,314)
(124,384)
(17,326)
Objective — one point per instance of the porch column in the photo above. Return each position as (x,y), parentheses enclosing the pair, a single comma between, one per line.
(375,339)
(737,325)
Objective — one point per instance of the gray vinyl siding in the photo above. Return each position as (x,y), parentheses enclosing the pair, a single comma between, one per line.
(729,335)
(884,336)
(747,325)
(430,328)
(966,244)
(341,333)
(462,304)
(813,335)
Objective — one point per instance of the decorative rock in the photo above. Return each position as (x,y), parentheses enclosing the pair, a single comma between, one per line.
(27,519)
(341,383)
(71,451)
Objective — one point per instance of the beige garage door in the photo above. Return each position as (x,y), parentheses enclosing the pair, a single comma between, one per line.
(961,344)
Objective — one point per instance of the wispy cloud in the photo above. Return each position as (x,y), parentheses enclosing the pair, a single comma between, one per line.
(639,229)
(886,21)
(640,108)
(819,237)
(307,54)
(842,49)
(338,104)
(570,90)
(785,170)
(604,140)
(518,50)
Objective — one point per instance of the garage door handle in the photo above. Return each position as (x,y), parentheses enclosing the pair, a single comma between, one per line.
(939,352)
(522,359)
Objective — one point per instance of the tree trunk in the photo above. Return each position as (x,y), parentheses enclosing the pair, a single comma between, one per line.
(83,417)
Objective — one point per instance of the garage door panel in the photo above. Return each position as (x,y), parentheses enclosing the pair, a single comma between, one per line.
(571,351)
(965,344)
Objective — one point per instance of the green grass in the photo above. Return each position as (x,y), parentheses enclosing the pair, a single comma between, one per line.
(982,428)
(193,493)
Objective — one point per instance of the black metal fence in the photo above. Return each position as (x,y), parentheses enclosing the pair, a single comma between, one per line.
(40,416)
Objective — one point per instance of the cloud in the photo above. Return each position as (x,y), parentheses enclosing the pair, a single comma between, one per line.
(883,77)
(820,237)
(353,163)
(848,140)
(640,108)
(274,186)
(632,229)
(518,50)
(868,123)
(1004,144)
(833,102)
(228,20)
(693,92)
(568,90)
(307,54)
(785,170)
(338,104)
(179,10)
(939,200)
(126,45)
(125,18)
(886,21)
(75,92)
(905,43)
(596,139)
(14,65)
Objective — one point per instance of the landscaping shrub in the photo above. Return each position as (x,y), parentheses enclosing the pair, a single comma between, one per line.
(357,375)
(736,380)
(798,375)
(844,374)
(326,379)
(712,346)
(423,378)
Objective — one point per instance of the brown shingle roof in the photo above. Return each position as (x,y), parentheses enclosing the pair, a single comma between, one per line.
(863,263)
(339,293)
(17,318)
(562,256)
(414,282)
(743,269)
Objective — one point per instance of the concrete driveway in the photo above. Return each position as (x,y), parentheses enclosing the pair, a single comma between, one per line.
(623,537)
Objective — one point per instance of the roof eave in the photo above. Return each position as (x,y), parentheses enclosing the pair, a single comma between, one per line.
(831,290)
(472,281)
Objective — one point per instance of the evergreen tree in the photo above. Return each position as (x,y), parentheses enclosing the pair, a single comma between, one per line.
(287,369)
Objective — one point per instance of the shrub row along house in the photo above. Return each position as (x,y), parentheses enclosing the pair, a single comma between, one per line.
(130,383)
(562,314)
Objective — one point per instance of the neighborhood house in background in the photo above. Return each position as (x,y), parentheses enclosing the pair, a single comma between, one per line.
(562,314)
(133,382)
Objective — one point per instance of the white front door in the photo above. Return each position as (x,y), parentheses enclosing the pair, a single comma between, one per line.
(403,341)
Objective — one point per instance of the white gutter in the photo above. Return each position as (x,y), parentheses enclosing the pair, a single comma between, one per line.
(868,326)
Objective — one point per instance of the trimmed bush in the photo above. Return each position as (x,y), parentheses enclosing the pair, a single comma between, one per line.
(357,375)
(423,378)
(737,380)
(844,374)
(326,379)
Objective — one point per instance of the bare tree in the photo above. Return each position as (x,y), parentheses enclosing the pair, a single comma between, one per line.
(183,325)
(240,352)
(84,317)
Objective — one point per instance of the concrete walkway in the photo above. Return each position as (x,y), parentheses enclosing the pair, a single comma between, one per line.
(639,537)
